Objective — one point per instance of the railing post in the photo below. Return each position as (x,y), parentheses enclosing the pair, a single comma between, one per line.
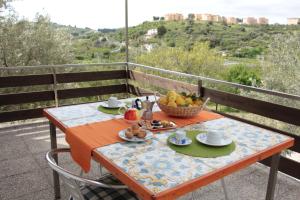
(55,86)
(200,88)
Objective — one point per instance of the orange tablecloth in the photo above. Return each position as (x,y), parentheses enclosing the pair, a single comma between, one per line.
(83,139)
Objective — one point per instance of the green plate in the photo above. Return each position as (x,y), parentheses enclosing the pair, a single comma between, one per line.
(197,149)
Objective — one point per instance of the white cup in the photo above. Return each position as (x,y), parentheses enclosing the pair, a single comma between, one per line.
(214,137)
(113,102)
(180,136)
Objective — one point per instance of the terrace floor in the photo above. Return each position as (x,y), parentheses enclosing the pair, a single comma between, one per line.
(25,174)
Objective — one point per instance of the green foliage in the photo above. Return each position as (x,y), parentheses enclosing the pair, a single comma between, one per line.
(200,60)
(33,43)
(243,75)
(172,44)
(155,18)
(161,30)
(281,69)
(248,52)
(191,16)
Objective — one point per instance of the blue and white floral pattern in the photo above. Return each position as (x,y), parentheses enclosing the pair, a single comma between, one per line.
(77,115)
(158,167)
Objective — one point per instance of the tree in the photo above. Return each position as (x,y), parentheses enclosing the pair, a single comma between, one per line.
(155,18)
(161,30)
(281,69)
(191,16)
(33,43)
(243,75)
(200,60)
(281,72)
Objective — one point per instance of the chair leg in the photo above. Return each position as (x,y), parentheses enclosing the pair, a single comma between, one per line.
(81,173)
(224,188)
(100,169)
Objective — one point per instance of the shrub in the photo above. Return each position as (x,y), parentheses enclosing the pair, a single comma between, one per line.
(248,52)
(161,30)
(243,75)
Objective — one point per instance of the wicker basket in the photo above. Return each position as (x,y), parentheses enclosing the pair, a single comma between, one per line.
(184,112)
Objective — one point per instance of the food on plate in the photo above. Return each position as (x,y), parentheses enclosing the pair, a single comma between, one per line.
(141,134)
(135,127)
(135,130)
(157,124)
(129,134)
(174,99)
(167,124)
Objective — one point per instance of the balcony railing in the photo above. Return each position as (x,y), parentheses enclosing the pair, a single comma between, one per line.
(26,91)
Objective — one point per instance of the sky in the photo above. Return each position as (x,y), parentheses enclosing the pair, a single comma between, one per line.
(110,13)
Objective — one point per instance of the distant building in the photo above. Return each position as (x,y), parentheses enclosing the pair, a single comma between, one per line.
(293,21)
(173,17)
(231,20)
(151,33)
(148,47)
(262,20)
(198,17)
(224,19)
(207,17)
(250,20)
(217,18)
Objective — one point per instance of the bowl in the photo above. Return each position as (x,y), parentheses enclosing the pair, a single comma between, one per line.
(184,112)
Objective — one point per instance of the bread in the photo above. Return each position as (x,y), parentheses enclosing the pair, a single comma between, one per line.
(141,134)
(129,134)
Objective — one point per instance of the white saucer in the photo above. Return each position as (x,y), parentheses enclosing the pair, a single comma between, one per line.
(105,105)
(202,137)
(173,140)
(149,136)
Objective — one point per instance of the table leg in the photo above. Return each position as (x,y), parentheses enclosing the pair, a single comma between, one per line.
(224,188)
(273,177)
(55,174)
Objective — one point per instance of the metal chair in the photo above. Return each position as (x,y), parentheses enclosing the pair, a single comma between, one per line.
(107,187)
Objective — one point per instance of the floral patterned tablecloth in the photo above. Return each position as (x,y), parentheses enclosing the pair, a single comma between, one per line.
(158,167)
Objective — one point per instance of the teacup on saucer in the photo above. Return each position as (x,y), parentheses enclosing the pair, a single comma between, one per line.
(113,102)
(214,137)
(180,137)
(184,142)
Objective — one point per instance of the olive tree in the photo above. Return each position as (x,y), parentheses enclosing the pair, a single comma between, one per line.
(25,43)
(281,72)
(281,69)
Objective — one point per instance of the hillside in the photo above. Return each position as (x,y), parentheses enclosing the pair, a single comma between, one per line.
(236,40)
(243,41)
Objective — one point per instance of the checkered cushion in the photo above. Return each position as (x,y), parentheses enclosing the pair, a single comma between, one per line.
(96,193)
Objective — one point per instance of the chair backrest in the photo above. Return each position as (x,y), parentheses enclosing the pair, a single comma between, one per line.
(72,181)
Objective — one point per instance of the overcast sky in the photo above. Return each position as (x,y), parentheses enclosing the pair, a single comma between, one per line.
(110,13)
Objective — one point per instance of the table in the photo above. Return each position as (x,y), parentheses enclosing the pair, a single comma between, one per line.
(154,171)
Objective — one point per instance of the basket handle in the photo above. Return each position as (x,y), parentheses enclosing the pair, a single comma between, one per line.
(204,104)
